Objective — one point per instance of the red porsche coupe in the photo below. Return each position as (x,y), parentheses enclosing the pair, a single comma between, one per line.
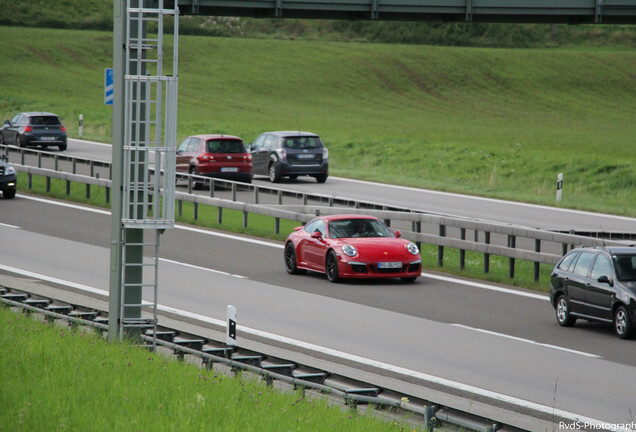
(351,246)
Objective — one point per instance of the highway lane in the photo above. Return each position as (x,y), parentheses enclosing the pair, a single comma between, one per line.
(433,327)
(535,216)
(433,297)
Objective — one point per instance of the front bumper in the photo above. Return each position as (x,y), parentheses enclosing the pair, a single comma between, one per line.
(357,269)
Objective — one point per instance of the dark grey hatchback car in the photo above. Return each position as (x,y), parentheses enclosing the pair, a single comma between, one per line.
(290,154)
(34,129)
(596,284)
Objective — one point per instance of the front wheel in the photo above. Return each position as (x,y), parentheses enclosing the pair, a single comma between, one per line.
(331,267)
(8,193)
(409,279)
(623,323)
(563,312)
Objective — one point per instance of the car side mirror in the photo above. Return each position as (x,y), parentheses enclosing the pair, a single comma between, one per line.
(397,234)
(317,235)
(5,158)
(605,279)
(7,122)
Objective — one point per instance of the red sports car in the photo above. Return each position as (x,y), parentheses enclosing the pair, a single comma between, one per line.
(351,246)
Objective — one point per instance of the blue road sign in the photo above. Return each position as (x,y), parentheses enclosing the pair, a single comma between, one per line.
(108,86)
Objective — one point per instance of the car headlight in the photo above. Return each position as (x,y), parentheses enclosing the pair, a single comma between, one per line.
(349,250)
(411,247)
(10,170)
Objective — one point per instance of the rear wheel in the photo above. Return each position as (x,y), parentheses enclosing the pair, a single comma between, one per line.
(563,312)
(331,267)
(623,323)
(321,178)
(274,173)
(62,147)
(196,185)
(290,259)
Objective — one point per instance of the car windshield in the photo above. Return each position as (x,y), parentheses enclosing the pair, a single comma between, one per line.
(44,121)
(349,228)
(225,146)
(625,267)
(303,143)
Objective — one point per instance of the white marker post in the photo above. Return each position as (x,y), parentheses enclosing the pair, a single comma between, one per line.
(81,124)
(231,326)
(559,186)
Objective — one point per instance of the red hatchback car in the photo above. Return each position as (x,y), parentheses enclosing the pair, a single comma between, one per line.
(219,156)
(351,246)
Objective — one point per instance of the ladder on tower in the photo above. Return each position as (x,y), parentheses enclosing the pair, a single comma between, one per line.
(149,156)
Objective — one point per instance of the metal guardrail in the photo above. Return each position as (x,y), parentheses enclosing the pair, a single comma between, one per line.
(463,234)
(306,378)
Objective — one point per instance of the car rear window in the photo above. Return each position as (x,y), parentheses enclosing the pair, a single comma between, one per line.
(44,121)
(302,143)
(225,146)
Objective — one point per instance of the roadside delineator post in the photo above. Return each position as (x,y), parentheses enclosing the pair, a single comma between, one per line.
(231,326)
(81,124)
(559,186)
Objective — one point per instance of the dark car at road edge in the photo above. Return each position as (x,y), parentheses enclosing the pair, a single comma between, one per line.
(596,284)
(8,178)
(29,129)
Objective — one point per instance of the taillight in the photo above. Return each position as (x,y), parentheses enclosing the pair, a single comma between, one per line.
(282,153)
(63,128)
(325,153)
(247,158)
(28,129)
(206,158)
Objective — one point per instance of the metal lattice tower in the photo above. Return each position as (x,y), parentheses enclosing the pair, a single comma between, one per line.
(149,157)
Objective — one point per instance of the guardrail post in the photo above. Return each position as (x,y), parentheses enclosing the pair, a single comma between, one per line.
(512,242)
(280,196)
(68,187)
(486,255)
(179,207)
(462,252)
(256,195)
(219,218)
(277,224)
(88,191)
(22,157)
(107,195)
(56,161)
(537,248)
(233,191)
(305,199)
(48,184)
(92,167)
(440,248)
(418,229)
(196,210)
(74,166)
(244,219)
(30,180)
(39,159)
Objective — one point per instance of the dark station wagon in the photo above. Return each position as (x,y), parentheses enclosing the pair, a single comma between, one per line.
(34,129)
(596,284)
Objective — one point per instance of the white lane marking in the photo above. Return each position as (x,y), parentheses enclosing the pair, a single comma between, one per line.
(530,341)
(8,226)
(202,268)
(343,355)
(485,286)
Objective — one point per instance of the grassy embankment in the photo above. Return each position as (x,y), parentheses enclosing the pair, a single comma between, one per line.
(491,122)
(57,379)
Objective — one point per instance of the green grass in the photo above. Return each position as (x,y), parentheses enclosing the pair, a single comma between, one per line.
(491,122)
(57,378)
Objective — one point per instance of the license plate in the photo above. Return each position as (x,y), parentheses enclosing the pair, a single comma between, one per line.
(389,265)
(229,169)
(305,156)
(47,138)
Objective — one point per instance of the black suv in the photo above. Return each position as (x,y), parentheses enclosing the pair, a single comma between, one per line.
(33,129)
(596,284)
(8,178)
(290,154)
